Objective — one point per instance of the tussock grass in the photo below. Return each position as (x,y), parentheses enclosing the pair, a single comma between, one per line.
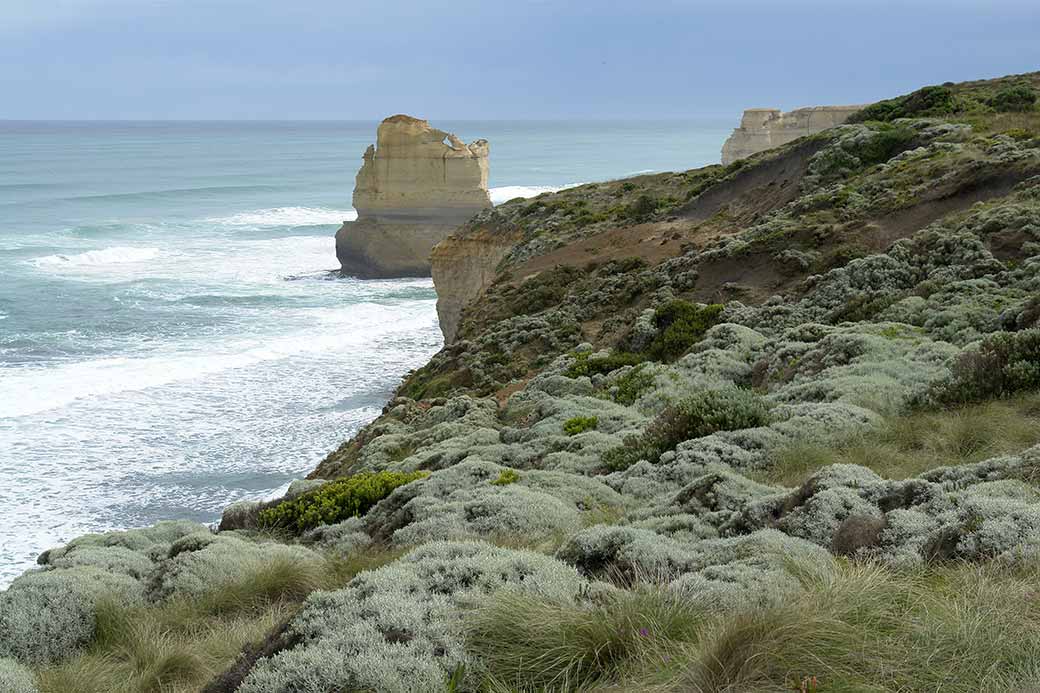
(178,646)
(959,629)
(906,446)
(529,644)
(1028,122)
(865,628)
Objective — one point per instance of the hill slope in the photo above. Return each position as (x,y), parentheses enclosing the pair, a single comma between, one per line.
(765,427)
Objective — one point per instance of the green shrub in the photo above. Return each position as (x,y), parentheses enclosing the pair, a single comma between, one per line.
(860,307)
(702,414)
(632,385)
(508,476)
(586,364)
(886,143)
(1013,99)
(680,325)
(580,424)
(336,501)
(928,101)
(643,208)
(628,264)
(545,290)
(1003,364)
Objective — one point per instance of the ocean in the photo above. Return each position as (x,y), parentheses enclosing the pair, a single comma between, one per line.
(170,339)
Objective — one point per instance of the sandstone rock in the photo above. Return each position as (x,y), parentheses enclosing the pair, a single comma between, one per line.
(463,266)
(416,185)
(764,128)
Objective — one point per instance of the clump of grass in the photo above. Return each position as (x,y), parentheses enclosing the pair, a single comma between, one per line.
(701,414)
(961,629)
(177,646)
(527,643)
(906,446)
(280,580)
(579,424)
(335,501)
(858,627)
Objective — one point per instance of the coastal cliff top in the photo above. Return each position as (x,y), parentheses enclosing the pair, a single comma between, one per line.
(766,426)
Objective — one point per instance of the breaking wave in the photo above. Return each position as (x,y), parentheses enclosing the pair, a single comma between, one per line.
(288,216)
(105,256)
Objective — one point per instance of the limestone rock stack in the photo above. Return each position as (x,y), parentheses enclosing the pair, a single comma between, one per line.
(416,185)
(764,128)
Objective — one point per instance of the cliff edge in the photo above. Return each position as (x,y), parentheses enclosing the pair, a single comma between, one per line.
(415,186)
(759,427)
(765,128)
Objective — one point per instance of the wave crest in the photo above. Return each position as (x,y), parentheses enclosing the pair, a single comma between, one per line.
(288,216)
(105,256)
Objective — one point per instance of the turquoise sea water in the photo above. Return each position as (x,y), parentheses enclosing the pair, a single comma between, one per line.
(169,339)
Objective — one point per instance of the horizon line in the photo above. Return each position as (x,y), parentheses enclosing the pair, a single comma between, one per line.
(365,120)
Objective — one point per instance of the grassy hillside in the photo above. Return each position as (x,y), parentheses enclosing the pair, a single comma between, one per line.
(766,427)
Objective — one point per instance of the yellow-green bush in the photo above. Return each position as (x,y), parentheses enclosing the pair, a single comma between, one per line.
(508,476)
(579,424)
(336,501)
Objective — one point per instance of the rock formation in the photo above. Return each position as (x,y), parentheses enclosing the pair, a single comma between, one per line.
(416,185)
(463,266)
(765,128)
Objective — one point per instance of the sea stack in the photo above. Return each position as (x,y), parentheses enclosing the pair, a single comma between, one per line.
(764,128)
(416,186)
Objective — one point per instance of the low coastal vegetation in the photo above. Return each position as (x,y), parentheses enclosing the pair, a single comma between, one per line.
(906,446)
(335,501)
(767,427)
(699,415)
(853,627)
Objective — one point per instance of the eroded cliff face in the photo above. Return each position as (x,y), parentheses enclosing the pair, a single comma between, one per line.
(416,185)
(764,128)
(463,266)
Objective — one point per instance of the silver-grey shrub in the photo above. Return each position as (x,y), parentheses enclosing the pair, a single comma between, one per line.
(15,678)
(46,615)
(200,563)
(398,629)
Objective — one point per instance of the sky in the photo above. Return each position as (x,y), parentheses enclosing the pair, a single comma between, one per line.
(484,59)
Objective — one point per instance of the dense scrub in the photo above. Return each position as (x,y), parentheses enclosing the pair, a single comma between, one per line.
(785,439)
(335,502)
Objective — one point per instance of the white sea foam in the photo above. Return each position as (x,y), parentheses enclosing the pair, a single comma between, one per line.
(510,192)
(32,390)
(94,258)
(288,216)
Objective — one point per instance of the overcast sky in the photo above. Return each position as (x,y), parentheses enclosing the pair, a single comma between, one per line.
(364,59)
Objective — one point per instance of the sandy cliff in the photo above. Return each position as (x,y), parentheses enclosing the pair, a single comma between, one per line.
(463,266)
(416,185)
(764,128)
